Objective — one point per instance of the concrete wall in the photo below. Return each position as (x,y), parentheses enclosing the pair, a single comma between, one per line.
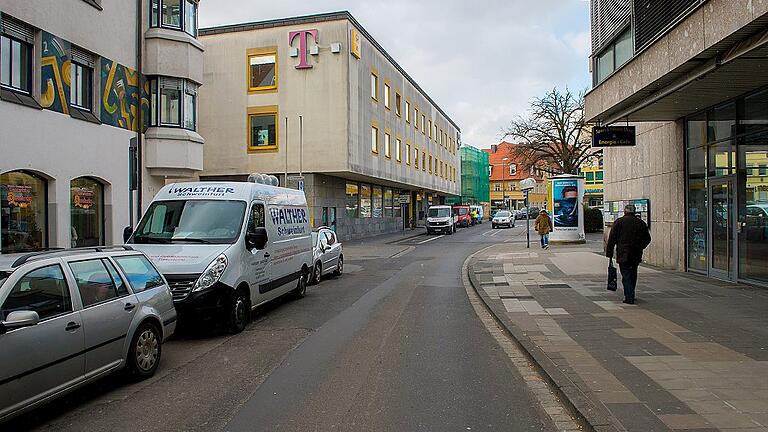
(654,169)
(364,111)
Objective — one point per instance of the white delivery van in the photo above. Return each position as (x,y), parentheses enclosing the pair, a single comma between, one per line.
(226,248)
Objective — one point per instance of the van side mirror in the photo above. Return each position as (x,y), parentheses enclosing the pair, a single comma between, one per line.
(127,233)
(256,239)
(19,319)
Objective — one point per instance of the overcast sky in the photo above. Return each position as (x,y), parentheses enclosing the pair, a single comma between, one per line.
(480,60)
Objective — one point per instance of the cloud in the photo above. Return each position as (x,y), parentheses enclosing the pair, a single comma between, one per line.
(482,61)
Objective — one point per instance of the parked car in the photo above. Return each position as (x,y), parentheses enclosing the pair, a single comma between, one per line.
(328,256)
(503,218)
(72,316)
(227,247)
(441,218)
(463,216)
(519,214)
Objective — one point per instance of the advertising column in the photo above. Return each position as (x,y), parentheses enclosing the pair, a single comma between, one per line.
(567,210)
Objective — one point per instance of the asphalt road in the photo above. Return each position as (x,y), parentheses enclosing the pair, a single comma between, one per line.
(394,344)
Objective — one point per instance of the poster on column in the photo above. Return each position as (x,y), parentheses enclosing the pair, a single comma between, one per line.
(567,209)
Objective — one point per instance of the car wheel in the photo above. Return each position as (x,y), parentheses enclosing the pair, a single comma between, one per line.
(493,226)
(239,312)
(301,287)
(429,232)
(340,266)
(145,351)
(317,274)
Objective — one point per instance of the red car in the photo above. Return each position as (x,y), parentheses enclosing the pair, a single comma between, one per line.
(463,214)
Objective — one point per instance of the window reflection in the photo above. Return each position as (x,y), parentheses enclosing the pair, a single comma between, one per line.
(753,212)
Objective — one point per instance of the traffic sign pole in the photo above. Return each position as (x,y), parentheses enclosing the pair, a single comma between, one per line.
(527,220)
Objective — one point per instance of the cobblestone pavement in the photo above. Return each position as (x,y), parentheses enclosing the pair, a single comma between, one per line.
(692,354)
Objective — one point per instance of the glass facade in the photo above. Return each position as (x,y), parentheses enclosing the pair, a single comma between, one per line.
(86,213)
(23,212)
(727,189)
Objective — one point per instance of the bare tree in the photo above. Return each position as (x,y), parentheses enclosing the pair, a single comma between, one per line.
(553,136)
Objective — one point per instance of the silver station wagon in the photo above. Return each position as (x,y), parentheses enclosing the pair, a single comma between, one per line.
(72,316)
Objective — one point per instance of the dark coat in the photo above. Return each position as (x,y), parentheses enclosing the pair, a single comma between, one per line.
(629,236)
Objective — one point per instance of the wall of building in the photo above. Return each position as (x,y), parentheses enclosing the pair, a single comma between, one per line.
(654,169)
(318,94)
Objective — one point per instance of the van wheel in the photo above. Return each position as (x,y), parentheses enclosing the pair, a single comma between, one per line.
(144,352)
(339,266)
(239,312)
(301,287)
(317,274)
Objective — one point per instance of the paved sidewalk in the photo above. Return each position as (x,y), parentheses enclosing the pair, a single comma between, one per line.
(692,354)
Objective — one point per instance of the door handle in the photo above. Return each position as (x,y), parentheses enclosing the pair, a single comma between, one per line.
(72,326)
(129,306)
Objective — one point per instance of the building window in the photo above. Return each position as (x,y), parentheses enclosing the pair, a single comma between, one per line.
(430,164)
(614,56)
(262,128)
(407,153)
(262,71)
(407,112)
(416,118)
(424,161)
(398,104)
(512,169)
(398,150)
(86,212)
(490,170)
(387,145)
(190,106)
(375,139)
(23,212)
(174,14)
(15,64)
(397,210)
(416,158)
(386,96)
(423,122)
(377,202)
(497,187)
(365,201)
(374,86)
(353,205)
(173,100)
(81,87)
(430,129)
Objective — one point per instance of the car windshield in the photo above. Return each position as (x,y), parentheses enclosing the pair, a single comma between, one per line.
(462,211)
(503,214)
(439,212)
(194,221)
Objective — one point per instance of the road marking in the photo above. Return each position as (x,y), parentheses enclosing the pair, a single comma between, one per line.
(431,239)
(406,251)
(552,406)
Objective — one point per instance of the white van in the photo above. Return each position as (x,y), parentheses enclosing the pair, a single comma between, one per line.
(226,248)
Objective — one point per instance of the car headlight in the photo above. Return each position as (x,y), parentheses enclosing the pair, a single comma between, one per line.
(212,273)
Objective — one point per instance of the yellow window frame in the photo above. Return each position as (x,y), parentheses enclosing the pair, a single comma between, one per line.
(261,52)
(262,111)
(398,103)
(407,111)
(398,149)
(374,142)
(375,95)
(387,95)
(388,143)
(408,154)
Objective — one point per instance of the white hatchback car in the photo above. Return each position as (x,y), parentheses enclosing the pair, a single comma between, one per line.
(503,218)
(328,255)
(72,316)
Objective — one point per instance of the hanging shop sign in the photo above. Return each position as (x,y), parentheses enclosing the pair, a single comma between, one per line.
(614,136)
(82,198)
(20,196)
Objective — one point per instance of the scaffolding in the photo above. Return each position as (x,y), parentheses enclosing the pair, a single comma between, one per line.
(475,187)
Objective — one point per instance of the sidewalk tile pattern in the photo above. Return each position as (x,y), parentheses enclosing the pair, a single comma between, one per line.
(692,355)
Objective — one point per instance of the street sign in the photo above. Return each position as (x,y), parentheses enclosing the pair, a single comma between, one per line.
(295,178)
(528,184)
(613,136)
(300,184)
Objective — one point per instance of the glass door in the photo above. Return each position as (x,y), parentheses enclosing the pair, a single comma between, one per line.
(721,252)
(753,209)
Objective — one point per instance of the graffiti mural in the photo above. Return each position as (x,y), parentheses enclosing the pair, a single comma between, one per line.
(55,73)
(120,95)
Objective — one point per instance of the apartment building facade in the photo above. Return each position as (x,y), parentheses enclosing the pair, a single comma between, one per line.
(98,108)
(691,76)
(319,103)
(505,175)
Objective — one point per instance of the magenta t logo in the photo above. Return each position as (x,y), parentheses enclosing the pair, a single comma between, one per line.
(303,36)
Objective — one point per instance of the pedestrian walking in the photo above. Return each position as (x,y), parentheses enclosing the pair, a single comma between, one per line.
(543,226)
(629,236)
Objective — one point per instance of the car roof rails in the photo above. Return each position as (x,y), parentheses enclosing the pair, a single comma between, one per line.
(51,251)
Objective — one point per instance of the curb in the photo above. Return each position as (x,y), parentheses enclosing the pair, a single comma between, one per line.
(592,414)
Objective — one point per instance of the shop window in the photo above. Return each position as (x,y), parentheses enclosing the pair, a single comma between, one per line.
(722,122)
(86,212)
(365,201)
(397,210)
(696,130)
(697,209)
(388,202)
(721,159)
(375,139)
(262,128)
(16,60)
(756,112)
(378,202)
(174,14)
(23,212)
(353,205)
(262,71)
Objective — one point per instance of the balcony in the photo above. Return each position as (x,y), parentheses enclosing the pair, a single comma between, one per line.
(173,53)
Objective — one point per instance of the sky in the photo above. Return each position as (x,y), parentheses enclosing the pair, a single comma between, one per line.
(481,61)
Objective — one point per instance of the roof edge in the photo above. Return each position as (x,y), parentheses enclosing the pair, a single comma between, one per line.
(323,17)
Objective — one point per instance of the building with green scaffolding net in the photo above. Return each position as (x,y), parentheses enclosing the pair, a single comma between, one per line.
(475,188)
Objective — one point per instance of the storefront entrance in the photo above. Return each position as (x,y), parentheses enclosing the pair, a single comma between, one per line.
(721,220)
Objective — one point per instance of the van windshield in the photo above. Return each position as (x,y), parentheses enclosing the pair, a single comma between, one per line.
(194,221)
(439,213)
